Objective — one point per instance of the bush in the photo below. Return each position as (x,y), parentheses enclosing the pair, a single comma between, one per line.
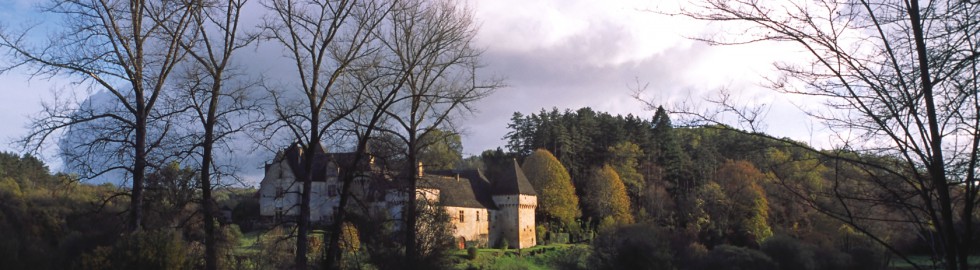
(638,246)
(868,258)
(163,249)
(831,259)
(471,253)
(789,253)
(572,258)
(736,258)
(541,233)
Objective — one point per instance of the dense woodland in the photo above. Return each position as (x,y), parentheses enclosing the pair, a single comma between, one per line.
(704,188)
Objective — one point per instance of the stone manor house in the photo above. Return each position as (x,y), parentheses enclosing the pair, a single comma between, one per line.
(484,211)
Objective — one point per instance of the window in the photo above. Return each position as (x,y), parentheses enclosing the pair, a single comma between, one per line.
(280,192)
(478,215)
(461,214)
(332,190)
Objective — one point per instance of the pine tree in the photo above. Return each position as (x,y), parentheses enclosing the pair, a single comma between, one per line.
(676,165)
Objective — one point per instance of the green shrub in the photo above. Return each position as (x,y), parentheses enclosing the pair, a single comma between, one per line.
(572,258)
(163,249)
(542,235)
(471,253)
(828,258)
(725,257)
(789,253)
(637,246)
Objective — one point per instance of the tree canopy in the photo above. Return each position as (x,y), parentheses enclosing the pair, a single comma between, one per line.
(557,201)
(605,198)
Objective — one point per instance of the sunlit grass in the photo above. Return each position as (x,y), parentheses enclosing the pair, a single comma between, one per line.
(538,257)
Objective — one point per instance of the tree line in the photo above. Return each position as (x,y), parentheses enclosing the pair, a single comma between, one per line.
(717,186)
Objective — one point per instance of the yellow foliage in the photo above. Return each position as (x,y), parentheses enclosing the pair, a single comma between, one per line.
(556,194)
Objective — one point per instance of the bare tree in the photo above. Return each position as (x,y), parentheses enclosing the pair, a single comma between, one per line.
(431,43)
(218,101)
(323,39)
(116,47)
(901,76)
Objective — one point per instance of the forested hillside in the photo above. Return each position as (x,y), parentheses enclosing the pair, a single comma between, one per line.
(713,186)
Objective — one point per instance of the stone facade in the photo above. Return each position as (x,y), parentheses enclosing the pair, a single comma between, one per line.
(280,190)
(484,212)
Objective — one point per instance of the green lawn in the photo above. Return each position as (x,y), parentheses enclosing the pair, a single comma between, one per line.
(538,257)
(246,244)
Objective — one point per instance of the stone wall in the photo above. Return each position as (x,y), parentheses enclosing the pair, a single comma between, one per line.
(470,224)
(505,220)
(514,220)
(525,220)
(280,191)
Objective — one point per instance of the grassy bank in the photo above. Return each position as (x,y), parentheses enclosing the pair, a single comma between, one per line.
(538,257)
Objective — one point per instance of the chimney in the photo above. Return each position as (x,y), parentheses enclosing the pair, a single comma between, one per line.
(421,169)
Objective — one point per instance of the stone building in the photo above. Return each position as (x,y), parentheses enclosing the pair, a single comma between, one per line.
(484,212)
(279,191)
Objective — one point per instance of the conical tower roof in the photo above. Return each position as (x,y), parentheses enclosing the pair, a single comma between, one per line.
(513,182)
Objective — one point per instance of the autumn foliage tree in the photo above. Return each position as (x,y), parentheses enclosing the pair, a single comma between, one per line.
(605,198)
(624,158)
(748,209)
(557,202)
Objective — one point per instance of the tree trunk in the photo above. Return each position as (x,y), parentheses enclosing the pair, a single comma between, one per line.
(139,169)
(411,236)
(303,225)
(210,250)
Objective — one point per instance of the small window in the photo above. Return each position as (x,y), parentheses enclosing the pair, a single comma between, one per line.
(332,190)
(280,192)
(477,215)
(461,215)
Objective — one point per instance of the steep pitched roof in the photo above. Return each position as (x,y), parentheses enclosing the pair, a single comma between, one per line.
(321,161)
(513,182)
(464,188)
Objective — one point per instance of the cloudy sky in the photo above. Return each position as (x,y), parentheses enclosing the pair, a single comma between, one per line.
(553,53)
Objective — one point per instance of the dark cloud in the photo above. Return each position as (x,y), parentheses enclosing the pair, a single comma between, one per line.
(577,73)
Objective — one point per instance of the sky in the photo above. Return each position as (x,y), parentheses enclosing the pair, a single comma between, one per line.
(552,54)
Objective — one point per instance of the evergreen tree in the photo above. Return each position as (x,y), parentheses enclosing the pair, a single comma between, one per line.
(676,166)
(624,158)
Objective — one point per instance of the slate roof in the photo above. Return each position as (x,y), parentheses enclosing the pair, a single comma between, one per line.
(513,181)
(321,160)
(463,188)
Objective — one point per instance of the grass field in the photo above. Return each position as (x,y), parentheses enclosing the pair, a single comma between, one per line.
(246,244)
(535,258)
